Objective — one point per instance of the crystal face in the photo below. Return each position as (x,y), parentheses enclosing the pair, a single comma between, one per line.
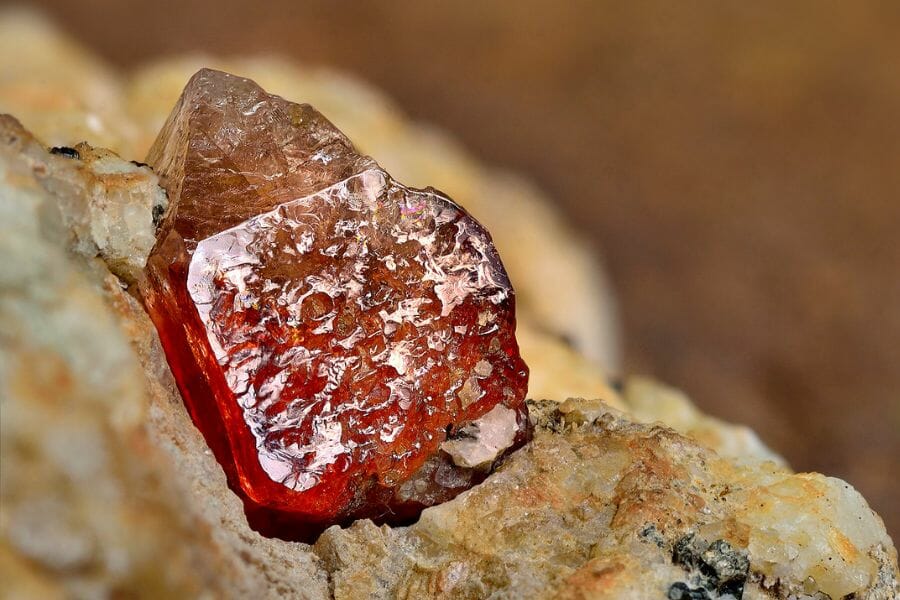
(345,344)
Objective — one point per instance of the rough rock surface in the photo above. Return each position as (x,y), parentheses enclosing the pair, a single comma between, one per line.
(110,206)
(598,506)
(84,509)
(650,402)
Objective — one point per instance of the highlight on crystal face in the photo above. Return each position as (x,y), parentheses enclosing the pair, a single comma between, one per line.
(345,344)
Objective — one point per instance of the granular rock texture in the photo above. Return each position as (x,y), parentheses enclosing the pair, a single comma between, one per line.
(598,506)
(85,510)
(649,402)
(331,330)
(110,207)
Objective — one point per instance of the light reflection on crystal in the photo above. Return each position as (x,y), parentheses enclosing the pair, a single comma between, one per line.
(343,324)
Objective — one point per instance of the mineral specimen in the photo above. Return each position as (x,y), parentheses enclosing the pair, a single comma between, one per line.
(106,489)
(345,343)
(595,508)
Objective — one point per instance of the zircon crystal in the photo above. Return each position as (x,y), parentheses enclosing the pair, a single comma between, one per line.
(345,344)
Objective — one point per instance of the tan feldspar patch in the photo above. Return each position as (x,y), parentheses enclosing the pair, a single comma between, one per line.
(650,402)
(558,372)
(108,205)
(126,202)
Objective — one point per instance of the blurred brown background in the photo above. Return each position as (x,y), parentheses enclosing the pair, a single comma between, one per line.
(738,165)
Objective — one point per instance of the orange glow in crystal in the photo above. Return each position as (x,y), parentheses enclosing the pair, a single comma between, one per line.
(334,334)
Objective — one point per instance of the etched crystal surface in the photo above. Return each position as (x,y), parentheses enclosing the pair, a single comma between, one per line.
(346,344)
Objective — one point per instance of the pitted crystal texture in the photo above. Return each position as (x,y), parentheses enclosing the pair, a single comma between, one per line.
(346,344)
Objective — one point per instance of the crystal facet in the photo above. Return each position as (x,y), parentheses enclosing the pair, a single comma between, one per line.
(346,344)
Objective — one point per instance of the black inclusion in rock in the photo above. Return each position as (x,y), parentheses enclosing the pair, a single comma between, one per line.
(725,567)
(65,151)
(721,567)
(681,591)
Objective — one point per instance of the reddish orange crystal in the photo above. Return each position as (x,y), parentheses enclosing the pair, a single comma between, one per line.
(345,344)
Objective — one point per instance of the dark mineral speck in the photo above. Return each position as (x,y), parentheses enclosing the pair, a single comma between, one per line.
(158,211)
(681,591)
(652,535)
(618,384)
(687,550)
(65,151)
(726,567)
(721,567)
